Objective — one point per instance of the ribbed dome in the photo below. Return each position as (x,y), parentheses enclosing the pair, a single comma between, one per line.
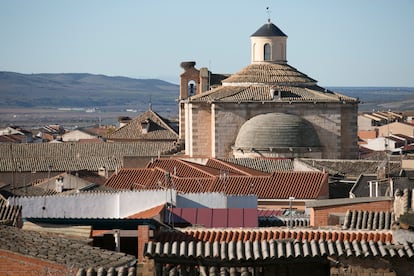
(276,130)
(269,73)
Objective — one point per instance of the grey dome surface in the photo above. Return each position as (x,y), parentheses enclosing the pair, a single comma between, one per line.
(269,29)
(276,130)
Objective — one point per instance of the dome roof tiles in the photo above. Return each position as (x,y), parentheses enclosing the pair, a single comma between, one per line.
(257,81)
(270,73)
(276,130)
(269,29)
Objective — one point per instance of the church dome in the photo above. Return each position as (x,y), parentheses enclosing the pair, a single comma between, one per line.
(277,131)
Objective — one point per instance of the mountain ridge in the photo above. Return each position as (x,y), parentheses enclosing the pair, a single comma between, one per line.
(81,90)
(54,90)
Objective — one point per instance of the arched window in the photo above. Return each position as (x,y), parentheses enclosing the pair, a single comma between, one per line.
(254,52)
(192,88)
(267,52)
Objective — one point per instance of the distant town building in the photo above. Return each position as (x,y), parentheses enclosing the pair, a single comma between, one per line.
(372,120)
(148,126)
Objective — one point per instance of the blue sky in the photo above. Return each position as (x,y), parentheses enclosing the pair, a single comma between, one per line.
(338,43)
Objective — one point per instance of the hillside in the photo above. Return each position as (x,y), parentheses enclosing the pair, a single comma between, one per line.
(380,98)
(83,90)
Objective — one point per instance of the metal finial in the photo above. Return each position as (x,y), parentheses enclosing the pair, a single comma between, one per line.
(268,14)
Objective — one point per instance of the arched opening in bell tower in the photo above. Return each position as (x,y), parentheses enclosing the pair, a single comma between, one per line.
(192,88)
(267,52)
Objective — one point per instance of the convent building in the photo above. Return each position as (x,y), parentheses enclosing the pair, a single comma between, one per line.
(267,109)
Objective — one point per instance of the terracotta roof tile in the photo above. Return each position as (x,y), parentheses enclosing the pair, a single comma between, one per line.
(368,220)
(61,250)
(75,156)
(149,213)
(183,168)
(268,165)
(254,82)
(256,247)
(275,233)
(301,185)
(234,168)
(280,185)
(159,129)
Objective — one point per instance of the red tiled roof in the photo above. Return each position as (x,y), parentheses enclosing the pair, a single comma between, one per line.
(279,185)
(149,213)
(260,234)
(183,168)
(233,168)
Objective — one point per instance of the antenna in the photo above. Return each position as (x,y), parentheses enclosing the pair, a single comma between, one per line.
(150,103)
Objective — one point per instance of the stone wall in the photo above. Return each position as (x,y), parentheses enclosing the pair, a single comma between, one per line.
(199,128)
(335,124)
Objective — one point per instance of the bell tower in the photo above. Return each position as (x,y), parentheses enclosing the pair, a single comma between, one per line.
(268,44)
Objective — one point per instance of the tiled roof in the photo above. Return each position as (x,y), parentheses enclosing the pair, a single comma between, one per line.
(263,164)
(75,156)
(181,168)
(270,233)
(150,213)
(272,74)
(256,81)
(135,179)
(232,251)
(234,168)
(159,129)
(29,190)
(61,250)
(209,168)
(351,168)
(9,214)
(368,220)
(279,185)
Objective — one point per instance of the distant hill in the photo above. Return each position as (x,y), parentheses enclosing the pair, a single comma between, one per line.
(380,98)
(83,90)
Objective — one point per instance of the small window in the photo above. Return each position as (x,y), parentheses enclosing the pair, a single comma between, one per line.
(267,52)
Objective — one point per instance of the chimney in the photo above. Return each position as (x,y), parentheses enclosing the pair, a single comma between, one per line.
(59,184)
(145,126)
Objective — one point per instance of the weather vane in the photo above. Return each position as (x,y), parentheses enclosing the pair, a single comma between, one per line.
(268,13)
